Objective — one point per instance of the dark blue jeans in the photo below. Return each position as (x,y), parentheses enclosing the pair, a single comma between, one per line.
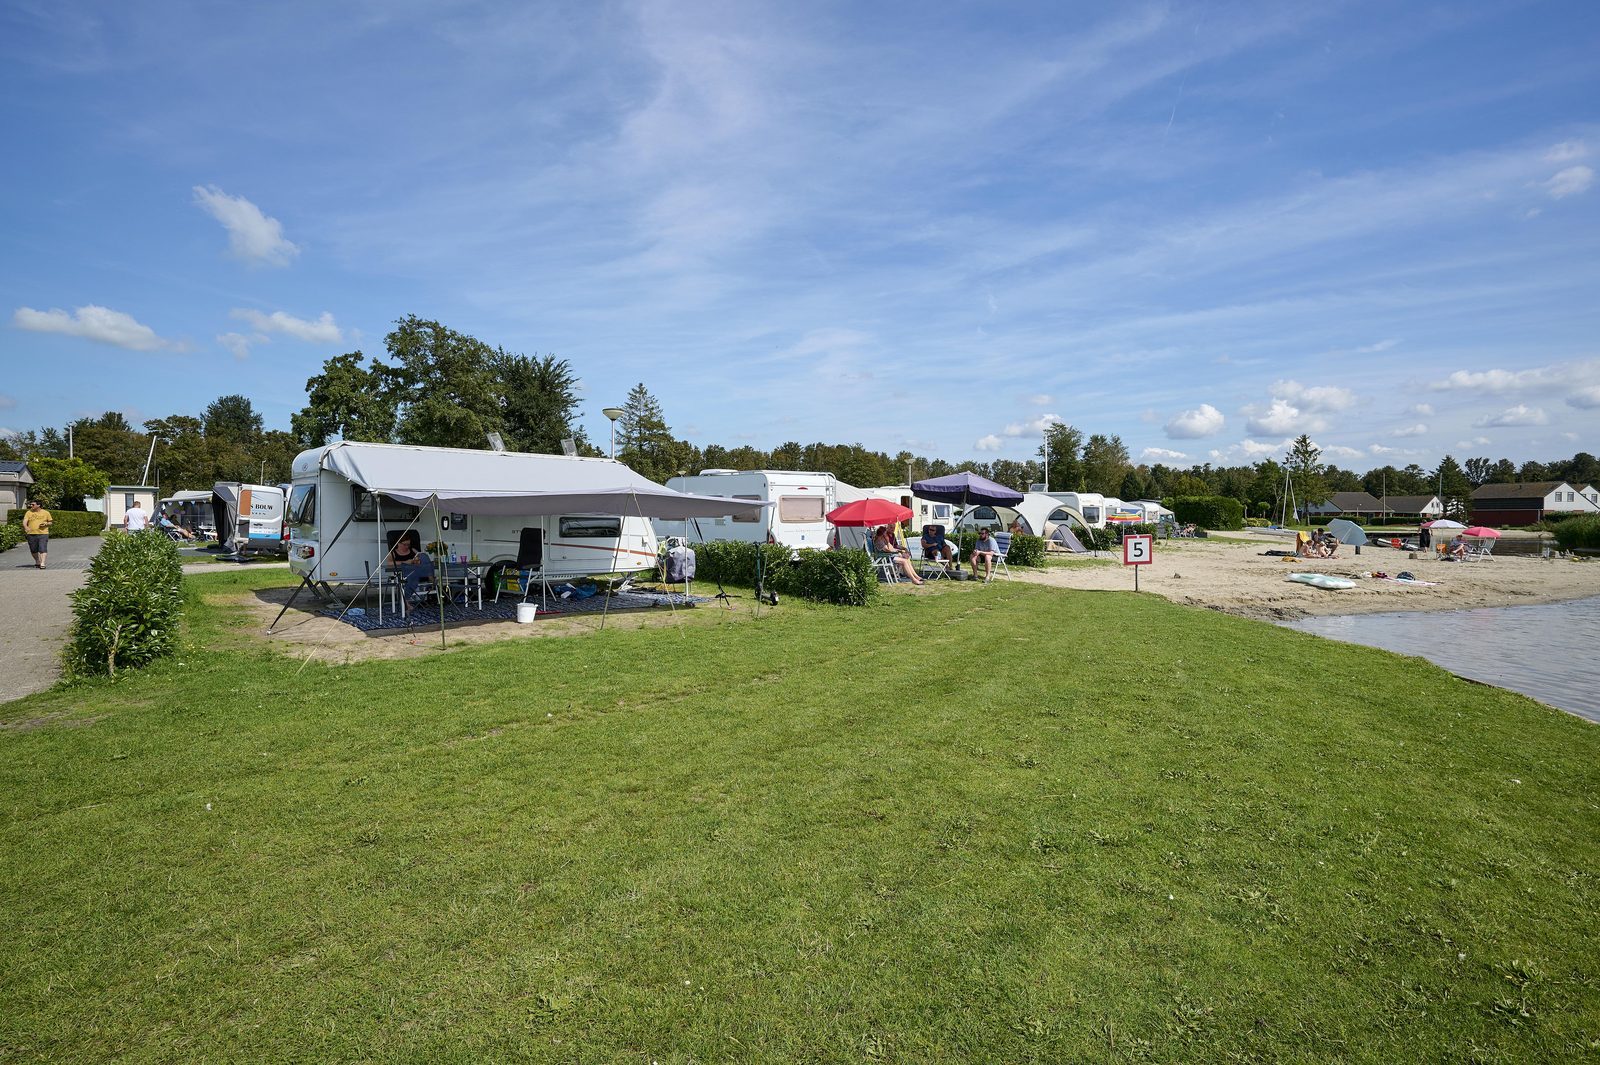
(415,575)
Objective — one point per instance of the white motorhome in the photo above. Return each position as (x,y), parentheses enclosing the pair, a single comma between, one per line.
(1091,505)
(1154,512)
(797,518)
(343,518)
(249,517)
(1039,513)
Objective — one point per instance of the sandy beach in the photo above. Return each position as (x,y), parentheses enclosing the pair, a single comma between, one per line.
(1233,576)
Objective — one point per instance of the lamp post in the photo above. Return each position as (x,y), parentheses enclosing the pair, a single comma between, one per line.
(613,413)
(1047,459)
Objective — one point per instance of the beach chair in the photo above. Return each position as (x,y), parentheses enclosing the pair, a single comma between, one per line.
(1002,544)
(1479,548)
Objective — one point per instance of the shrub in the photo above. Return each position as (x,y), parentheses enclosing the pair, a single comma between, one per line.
(1578,532)
(1209,512)
(127,613)
(843,577)
(1025,550)
(1257,523)
(67,523)
(10,536)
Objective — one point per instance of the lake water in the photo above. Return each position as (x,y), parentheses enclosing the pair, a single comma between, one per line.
(1545,651)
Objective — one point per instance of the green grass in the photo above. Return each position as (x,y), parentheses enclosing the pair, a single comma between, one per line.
(1000,823)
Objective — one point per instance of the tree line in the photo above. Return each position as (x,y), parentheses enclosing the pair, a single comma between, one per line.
(437,387)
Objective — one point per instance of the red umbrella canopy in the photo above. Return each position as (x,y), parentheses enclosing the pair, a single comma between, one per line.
(871,511)
(1482,531)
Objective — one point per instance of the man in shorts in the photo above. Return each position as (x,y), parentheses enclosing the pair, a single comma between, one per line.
(36,525)
(985,549)
(135,520)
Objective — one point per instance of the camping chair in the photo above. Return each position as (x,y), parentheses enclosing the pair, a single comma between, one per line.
(396,582)
(1002,544)
(934,568)
(529,567)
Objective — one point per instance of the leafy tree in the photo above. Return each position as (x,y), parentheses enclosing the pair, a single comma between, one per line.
(65,483)
(1304,461)
(345,401)
(1066,466)
(108,443)
(1503,472)
(541,403)
(1135,485)
(444,385)
(232,419)
(1342,480)
(1479,470)
(1582,468)
(1453,487)
(1532,471)
(1105,463)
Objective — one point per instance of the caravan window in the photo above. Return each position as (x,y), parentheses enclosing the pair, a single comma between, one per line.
(1091,514)
(365,508)
(303,505)
(753,518)
(591,528)
(793,510)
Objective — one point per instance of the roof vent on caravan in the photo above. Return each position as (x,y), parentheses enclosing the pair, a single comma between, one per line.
(718,473)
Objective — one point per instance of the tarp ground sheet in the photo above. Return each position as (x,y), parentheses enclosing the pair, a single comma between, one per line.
(426,615)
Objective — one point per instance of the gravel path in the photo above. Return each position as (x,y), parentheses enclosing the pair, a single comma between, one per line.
(37,611)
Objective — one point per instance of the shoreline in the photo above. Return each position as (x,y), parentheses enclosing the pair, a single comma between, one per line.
(1232,576)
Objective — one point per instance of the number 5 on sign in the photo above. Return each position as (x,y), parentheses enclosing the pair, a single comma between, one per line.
(1138,551)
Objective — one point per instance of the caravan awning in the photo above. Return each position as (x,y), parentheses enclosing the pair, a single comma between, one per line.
(510,484)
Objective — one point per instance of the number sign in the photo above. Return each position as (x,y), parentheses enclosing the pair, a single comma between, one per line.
(1138,550)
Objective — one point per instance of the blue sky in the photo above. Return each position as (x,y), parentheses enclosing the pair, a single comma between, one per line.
(1205,227)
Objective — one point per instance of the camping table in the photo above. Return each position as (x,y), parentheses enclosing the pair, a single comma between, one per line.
(466,576)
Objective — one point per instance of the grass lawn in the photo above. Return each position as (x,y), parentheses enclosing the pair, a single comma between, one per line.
(1002,823)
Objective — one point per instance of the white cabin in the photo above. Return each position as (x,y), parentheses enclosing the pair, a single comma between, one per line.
(798,517)
(340,529)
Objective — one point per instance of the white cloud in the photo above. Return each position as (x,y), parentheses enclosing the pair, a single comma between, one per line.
(1585,398)
(988,443)
(1380,449)
(252,236)
(1282,417)
(1512,417)
(1340,451)
(1314,398)
(1566,151)
(93,322)
(1256,449)
(1569,182)
(1161,454)
(1496,382)
(1204,420)
(1033,427)
(1423,409)
(1409,430)
(239,344)
(1382,345)
(1041,400)
(322,331)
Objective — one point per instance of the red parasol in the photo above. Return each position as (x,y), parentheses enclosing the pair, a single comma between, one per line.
(1481,532)
(868,512)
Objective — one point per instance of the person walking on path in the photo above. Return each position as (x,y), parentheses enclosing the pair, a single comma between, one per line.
(136,519)
(36,526)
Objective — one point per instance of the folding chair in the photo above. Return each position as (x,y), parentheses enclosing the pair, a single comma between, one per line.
(933,569)
(1002,545)
(1479,548)
(529,567)
(396,581)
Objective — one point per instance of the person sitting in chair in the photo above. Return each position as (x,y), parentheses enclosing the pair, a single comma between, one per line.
(935,548)
(415,563)
(172,528)
(883,542)
(985,549)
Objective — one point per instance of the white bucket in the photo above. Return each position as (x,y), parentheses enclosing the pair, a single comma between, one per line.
(526,612)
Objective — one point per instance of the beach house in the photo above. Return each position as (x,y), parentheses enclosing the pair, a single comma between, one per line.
(1525,504)
(1353,505)
(1413,508)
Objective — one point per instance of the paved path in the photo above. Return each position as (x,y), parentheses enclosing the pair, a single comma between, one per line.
(35,612)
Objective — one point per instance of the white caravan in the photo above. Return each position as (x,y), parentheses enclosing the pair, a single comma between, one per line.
(923,511)
(1091,505)
(343,516)
(249,517)
(797,518)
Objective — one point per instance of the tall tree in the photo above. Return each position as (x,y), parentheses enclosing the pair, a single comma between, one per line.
(1304,461)
(346,401)
(644,441)
(1451,482)
(232,419)
(1062,450)
(1265,494)
(541,403)
(444,383)
(1503,472)
(1479,470)
(1105,463)
(65,483)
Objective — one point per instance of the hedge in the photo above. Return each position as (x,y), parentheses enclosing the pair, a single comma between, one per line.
(66,523)
(1209,512)
(10,536)
(1025,550)
(1578,532)
(127,613)
(847,578)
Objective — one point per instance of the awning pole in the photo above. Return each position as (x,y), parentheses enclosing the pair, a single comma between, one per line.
(305,582)
(440,574)
(605,608)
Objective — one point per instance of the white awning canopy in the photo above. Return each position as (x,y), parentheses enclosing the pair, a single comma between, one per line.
(506,483)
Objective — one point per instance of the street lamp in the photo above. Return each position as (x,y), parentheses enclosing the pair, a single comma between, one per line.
(613,413)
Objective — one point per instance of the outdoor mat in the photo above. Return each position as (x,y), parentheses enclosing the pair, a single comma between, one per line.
(506,610)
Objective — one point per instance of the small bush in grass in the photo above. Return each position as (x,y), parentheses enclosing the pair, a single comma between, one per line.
(1578,532)
(846,578)
(126,614)
(10,536)
(1257,523)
